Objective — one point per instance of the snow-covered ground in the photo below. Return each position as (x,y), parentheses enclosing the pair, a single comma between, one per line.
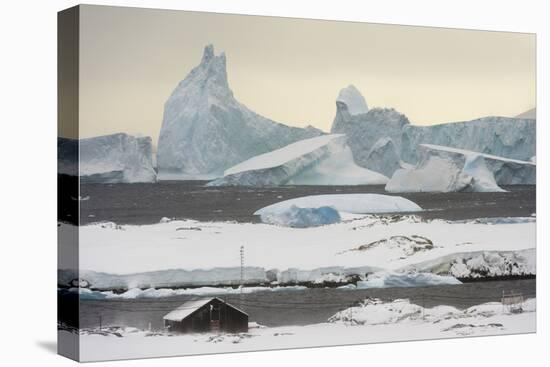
(371,322)
(206,253)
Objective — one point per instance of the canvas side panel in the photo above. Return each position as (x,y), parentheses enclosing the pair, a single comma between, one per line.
(67,181)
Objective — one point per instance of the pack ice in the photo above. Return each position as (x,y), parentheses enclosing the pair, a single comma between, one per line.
(323,160)
(205,130)
(444,169)
(116,158)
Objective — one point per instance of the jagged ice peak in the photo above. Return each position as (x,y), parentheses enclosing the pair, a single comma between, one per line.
(353,99)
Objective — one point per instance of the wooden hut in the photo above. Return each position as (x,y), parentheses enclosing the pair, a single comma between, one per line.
(206,315)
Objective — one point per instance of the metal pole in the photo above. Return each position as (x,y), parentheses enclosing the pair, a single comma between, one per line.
(242,278)
(242,268)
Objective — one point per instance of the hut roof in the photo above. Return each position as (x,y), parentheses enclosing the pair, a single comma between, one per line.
(189,307)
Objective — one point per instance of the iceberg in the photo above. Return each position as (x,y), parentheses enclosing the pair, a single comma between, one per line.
(365,130)
(346,203)
(353,99)
(323,160)
(302,217)
(444,169)
(529,114)
(384,157)
(506,171)
(116,158)
(205,130)
(500,136)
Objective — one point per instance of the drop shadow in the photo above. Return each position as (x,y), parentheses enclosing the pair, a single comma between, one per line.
(48,345)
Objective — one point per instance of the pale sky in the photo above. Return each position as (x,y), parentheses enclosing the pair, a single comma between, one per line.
(291,70)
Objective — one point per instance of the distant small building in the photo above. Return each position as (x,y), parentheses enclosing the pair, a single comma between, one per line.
(204,315)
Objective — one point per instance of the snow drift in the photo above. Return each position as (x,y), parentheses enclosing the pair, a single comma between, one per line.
(387,280)
(479,264)
(205,130)
(374,311)
(323,160)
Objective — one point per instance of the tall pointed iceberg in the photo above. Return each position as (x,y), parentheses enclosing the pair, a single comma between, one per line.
(205,130)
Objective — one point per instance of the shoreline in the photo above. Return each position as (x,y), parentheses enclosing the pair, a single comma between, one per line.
(306,285)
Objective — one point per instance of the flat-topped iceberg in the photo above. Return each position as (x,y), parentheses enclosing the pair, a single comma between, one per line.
(323,160)
(116,158)
(500,136)
(505,171)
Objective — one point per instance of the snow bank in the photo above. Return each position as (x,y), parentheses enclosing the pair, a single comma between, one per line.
(480,264)
(323,160)
(137,293)
(374,311)
(328,274)
(387,280)
(122,256)
(348,203)
(302,217)
(165,278)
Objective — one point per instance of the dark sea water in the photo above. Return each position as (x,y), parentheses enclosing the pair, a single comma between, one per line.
(148,203)
(298,307)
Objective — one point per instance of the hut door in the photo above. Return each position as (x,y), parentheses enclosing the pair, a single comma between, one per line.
(215,317)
